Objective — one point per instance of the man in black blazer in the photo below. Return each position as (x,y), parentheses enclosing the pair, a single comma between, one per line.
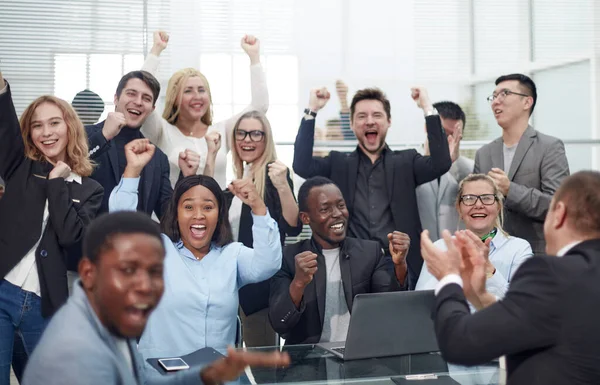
(135,99)
(378,184)
(311,296)
(547,324)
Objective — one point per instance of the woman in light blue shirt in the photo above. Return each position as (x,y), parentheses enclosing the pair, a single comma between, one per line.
(204,268)
(480,206)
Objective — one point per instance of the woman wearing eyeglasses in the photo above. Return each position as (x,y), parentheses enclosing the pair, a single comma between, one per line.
(480,206)
(254,157)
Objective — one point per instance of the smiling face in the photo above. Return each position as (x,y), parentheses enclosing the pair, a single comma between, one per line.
(248,149)
(197,216)
(510,108)
(370,124)
(479,218)
(327,215)
(195,99)
(49,132)
(136,102)
(126,282)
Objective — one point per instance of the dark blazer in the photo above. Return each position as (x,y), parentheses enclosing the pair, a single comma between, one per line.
(71,207)
(546,325)
(363,269)
(537,169)
(155,186)
(404,170)
(255,296)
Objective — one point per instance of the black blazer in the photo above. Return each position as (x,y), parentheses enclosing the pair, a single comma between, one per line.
(546,325)
(155,186)
(71,207)
(363,268)
(404,170)
(255,296)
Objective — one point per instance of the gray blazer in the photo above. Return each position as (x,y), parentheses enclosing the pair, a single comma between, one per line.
(538,168)
(436,202)
(77,349)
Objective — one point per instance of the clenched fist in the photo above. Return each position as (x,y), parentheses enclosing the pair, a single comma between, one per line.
(251,45)
(318,98)
(278,174)
(161,40)
(113,124)
(399,244)
(189,161)
(138,153)
(60,170)
(306,267)
(213,141)
(421,97)
(245,190)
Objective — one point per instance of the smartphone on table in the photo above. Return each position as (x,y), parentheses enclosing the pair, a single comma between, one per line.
(173,364)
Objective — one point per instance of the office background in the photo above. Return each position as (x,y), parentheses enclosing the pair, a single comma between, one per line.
(454,47)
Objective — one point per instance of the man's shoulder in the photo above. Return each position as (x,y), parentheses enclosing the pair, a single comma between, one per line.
(547,140)
(359,245)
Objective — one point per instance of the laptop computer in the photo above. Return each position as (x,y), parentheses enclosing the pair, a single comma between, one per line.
(388,324)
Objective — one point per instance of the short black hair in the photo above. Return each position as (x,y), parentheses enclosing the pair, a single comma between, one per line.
(371,94)
(308,185)
(169,223)
(144,76)
(100,233)
(525,82)
(450,110)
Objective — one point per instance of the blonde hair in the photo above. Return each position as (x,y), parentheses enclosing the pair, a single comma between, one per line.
(259,165)
(499,197)
(77,155)
(175,93)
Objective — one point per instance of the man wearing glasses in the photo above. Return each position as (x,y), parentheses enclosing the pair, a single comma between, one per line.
(527,166)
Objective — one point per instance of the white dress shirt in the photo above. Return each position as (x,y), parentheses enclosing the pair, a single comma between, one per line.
(25,273)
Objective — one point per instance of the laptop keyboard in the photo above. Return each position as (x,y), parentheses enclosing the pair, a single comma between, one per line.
(339,350)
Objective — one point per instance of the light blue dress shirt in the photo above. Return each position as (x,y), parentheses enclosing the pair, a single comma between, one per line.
(200,304)
(506,254)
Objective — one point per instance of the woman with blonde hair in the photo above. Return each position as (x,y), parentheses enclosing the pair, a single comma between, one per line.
(254,157)
(480,205)
(49,201)
(187,119)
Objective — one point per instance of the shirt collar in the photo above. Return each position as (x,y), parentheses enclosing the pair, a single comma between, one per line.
(364,156)
(566,248)
(498,240)
(73,178)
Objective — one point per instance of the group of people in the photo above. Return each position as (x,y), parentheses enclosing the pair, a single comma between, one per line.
(147,290)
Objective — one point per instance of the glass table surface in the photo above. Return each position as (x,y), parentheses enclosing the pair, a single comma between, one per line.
(312,364)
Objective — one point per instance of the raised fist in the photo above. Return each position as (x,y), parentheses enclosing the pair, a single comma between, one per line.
(306,267)
(60,170)
(161,40)
(421,97)
(213,141)
(138,153)
(189,161)
(113,124)
(278,174)
(245,190)
(251,45)
(318,98)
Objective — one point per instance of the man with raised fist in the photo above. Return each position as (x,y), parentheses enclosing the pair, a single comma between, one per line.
(378,184)
(343,266)
(134,100)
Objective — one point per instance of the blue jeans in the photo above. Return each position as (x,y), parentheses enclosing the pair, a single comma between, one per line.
(20,315)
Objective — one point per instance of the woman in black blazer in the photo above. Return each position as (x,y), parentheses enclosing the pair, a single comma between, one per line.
(254,156)
(49,200)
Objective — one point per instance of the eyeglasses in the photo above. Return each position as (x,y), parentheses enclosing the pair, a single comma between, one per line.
(502,95)
(255,136)
(486,199)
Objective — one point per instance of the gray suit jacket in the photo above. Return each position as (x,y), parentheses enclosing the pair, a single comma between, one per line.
(436,202)
(538,168)
(77,349)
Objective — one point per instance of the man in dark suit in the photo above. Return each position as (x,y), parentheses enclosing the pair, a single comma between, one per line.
(378,184)
(527,165)
(547,324)
(311,296)
(135,100)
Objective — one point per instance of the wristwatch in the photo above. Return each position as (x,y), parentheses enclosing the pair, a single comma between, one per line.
(308,111)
